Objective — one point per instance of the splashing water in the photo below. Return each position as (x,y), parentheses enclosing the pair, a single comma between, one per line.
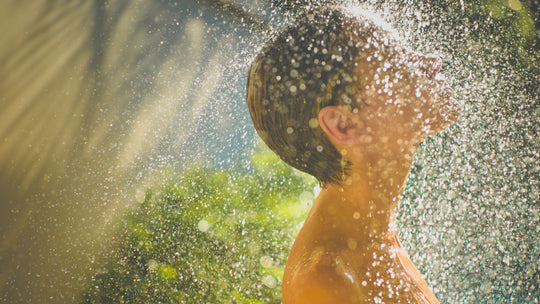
(101,101)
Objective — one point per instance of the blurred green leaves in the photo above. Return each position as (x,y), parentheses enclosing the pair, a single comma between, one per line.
(518,15)
(209,236)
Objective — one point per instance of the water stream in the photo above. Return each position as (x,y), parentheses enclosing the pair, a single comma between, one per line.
(99,98)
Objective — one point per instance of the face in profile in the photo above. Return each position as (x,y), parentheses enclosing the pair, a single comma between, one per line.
(403,90)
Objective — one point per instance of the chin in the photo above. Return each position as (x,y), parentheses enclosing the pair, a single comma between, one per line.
(450,111)
(447,113)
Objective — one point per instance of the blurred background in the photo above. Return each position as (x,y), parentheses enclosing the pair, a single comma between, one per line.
(113,111)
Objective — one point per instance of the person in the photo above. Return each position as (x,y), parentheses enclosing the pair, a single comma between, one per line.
(338,96)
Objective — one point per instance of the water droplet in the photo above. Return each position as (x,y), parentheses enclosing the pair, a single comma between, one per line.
(269,281)
(313,122)
(203,225)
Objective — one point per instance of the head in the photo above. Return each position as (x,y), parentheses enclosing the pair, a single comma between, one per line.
(334,73)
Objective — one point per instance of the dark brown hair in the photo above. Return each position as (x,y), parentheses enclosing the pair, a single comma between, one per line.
(305,67)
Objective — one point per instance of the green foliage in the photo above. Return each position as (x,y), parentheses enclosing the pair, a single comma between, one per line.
(519,16)
(209,237)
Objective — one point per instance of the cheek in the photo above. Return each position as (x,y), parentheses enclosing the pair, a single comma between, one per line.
(413,101)
(385,88)
(398,94)
(403,91)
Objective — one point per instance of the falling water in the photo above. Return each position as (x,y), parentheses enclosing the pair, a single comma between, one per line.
(101,100)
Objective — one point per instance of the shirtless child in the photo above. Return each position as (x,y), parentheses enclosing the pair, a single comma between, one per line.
(337,96)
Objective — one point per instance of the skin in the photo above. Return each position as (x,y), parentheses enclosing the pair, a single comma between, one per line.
(348,250)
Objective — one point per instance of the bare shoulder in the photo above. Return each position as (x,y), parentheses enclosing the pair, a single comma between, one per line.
(317,279)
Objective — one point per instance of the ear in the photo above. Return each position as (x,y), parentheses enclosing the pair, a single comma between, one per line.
(340,125)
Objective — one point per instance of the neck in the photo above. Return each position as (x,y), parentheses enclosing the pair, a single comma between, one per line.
(364,205)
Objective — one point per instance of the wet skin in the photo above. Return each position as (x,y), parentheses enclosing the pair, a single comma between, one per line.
(348,251)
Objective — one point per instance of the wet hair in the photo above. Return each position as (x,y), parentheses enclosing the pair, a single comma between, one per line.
(307,66)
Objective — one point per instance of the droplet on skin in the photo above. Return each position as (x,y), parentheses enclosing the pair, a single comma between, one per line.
(366,139)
